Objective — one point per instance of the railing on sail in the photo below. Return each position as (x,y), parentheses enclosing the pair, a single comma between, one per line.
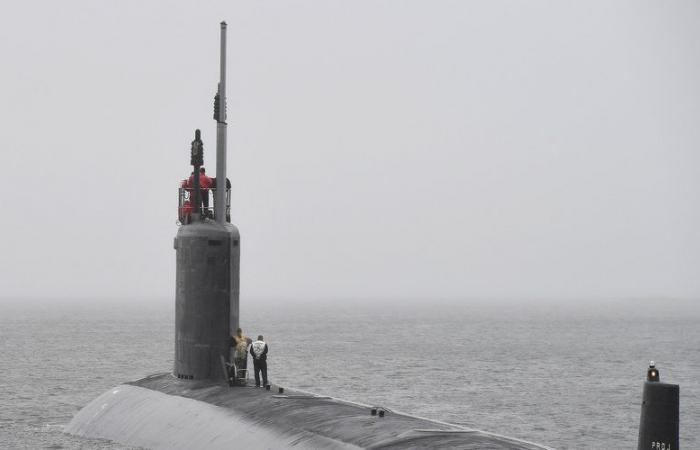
(185,204)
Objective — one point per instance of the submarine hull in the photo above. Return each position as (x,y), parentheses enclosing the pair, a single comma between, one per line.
(194,407)
(164,412)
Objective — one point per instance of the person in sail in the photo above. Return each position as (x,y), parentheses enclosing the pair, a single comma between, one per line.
(204,184)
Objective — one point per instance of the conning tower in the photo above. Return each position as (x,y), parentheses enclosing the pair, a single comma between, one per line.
(208,254)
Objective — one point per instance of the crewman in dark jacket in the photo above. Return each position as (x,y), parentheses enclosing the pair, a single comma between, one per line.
(259,353)
(228,188)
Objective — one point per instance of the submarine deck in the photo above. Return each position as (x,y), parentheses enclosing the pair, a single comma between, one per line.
(300,415)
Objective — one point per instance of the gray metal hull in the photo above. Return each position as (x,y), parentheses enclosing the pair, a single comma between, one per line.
(163,412)
(206,299)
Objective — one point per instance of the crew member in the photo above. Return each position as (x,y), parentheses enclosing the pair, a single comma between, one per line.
(204,185)
(228,187)
(240,344)
(213,183)
(186,209)
(259,353)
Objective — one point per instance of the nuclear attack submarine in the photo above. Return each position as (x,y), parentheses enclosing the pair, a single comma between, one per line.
(205,402)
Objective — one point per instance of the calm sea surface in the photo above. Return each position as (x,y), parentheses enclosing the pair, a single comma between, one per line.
(564,376)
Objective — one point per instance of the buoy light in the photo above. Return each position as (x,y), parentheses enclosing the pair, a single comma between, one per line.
(653,372)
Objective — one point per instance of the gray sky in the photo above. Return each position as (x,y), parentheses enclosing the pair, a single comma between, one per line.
(403,149)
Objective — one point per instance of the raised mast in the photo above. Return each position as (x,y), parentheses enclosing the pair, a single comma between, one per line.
(220,117)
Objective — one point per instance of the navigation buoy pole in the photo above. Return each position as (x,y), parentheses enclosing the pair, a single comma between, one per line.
(220,117)
(659,422)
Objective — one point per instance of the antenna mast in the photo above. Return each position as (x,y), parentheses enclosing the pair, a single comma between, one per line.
(220,117)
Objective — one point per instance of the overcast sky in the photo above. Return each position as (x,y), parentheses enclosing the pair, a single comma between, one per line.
(377,149)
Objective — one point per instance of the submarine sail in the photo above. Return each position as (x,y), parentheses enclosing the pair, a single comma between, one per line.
(207,268)
(194,406)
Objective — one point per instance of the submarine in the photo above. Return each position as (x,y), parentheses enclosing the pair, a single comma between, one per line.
(204,402)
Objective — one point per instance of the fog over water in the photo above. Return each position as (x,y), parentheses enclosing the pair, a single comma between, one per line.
(503,196)
(378,149)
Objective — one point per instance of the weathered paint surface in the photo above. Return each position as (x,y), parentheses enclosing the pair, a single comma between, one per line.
(165,412)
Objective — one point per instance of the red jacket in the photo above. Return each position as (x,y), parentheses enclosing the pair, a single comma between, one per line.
(204,182)
(186,208)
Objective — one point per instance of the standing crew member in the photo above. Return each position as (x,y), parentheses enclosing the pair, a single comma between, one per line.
(204,185)
(228,188)
(259,352)
(240,344)
(185,210)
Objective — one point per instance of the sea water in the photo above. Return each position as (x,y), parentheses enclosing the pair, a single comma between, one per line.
(567,375)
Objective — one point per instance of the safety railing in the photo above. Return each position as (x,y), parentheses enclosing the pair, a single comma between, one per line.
(186,206)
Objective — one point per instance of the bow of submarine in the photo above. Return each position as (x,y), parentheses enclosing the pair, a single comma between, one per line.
(162,411)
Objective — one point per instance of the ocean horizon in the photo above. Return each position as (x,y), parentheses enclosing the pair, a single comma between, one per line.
(563,374)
